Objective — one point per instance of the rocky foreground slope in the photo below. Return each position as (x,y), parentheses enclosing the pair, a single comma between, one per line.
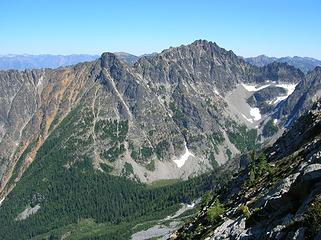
(277,196)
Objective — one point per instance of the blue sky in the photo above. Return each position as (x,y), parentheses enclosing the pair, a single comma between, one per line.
(275,28)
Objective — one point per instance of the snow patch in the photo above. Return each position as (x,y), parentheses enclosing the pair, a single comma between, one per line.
(275,121)
(254,88)
(1,201)
(277,100)
(181,161)
(248,119)
(289,90)
(40,81)
(191,205)
(289,87)
(255,113)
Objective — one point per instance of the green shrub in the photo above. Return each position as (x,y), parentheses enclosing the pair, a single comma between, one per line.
(257,168)
(242,137)
(128,169)
(228,153)
(214,212)
(146,152)
(269,129)
(161,148)
(245,211)
(106,168)
(213,161)
(313,216)
(113,153)
(206,198)
(151,166)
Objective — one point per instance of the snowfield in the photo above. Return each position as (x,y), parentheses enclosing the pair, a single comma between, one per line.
(255,113)
(181,161)
(289,89)
(1,201)
(253,88)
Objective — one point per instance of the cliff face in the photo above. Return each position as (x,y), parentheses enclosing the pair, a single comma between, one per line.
(171,115)
(307,92)
(276,197)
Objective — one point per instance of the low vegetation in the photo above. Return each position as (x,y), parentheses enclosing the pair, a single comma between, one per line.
(243,138)
(70,190)
(214,213)
(269,129)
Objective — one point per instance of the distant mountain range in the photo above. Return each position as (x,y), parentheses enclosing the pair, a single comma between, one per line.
(305,64)
(26,61)
(22,62)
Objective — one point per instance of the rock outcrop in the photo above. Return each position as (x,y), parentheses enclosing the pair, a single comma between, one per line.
(276,197)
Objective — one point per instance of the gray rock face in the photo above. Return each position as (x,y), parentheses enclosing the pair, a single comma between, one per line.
(307,92)
(126,57)
(262,98)
(171,107)
(282,202)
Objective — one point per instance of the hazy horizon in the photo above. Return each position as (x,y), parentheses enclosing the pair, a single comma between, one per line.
(99,54)
(251,28)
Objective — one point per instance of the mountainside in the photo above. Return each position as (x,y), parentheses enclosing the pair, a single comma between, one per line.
(126,57)
(77,136)
(276,197)
(22,62)
(305,64)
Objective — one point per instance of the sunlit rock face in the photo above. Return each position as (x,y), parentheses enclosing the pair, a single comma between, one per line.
(170,115)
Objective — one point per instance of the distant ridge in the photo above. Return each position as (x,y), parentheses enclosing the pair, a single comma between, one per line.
(305,64)
(29,61)
(26,61)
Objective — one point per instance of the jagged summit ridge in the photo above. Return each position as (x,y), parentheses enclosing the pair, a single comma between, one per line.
(182,91)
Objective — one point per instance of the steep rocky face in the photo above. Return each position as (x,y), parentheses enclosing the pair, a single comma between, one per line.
(170,115)
(282,71)
(126,57)
(201,62)
(276,197)
(34,102)
(307,91)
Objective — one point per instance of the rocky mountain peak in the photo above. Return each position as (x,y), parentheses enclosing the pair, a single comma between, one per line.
(317,70)
(109,59)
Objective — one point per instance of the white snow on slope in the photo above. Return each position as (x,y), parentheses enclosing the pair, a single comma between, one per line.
(253,88)
(248,119)
(289,88)
(216,92)
(40,81)
(1,201)
(182,159)
(255,113)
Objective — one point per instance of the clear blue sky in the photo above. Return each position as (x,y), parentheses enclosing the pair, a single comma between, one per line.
(272,27)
